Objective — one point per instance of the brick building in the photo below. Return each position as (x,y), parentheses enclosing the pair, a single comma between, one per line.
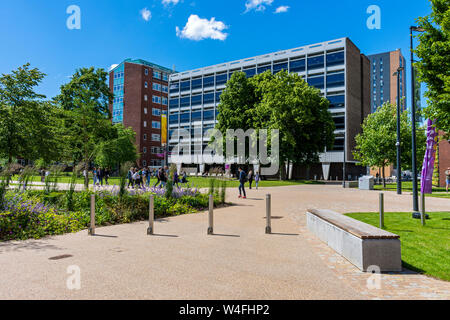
(444,159)
(140,91)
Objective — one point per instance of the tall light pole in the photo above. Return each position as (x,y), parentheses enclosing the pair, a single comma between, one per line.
(413,116)
(398,144)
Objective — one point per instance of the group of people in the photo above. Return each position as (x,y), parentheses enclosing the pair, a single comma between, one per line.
(244,177)
(141,177)
(101,174)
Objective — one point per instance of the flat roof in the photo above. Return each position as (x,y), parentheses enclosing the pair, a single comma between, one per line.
(145,63)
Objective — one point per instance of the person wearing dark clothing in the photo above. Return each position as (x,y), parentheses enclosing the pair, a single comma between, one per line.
(106,175)
(130,178)
(176,179)
(250,178)
(242,180)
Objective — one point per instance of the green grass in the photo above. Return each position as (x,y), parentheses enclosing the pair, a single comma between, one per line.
(198,182)
(438,192)
(425,249)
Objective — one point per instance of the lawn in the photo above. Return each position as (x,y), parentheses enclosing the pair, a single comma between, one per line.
(425,249)
(438,192)
(198,182)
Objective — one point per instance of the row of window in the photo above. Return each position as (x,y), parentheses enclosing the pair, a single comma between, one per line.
(153,163)
(158,75)
(118,88)
(333,80)
(187,117)
(315,62)
(155,124)
(196,100)
(155,137)
(157,99)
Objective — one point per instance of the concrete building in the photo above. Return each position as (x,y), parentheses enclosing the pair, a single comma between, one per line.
(140,91)
(335,67)
(384,88)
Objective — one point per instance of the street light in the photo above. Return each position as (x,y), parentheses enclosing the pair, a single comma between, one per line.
(413,116)
(399,150)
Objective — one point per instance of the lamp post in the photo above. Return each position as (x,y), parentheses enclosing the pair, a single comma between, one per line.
(413,118)
(399,149)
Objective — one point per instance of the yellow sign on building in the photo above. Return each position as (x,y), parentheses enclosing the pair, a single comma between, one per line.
(163,129)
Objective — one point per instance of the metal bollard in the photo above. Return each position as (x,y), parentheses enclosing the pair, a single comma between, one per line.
(91,230)
(268,215)
(381,210)
(151,216)
(422,208)
(210,215)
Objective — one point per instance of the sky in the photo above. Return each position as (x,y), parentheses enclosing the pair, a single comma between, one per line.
(187,34)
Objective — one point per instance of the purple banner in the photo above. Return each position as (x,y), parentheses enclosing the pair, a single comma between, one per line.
(426,185)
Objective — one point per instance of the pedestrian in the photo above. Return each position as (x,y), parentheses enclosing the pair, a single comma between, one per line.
(107,172)
(184,179)
(257,179)
(94,175)
(447,179)
(242,179)
(130,177)
(250,178)
(100,174)
(149,176)
(158,177)
(136,178)
(176,179)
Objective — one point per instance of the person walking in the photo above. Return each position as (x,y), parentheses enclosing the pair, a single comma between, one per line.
(250,178)
(149,176)
(176,179)
(100,173)
(94,176)
(257,179)
(158,177)
(447,179)
(130,177)
(242,180)
(163,177)
(107,172)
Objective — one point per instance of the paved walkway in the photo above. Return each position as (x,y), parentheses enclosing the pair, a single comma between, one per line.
(239,262)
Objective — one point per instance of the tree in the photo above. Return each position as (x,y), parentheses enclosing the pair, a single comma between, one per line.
(284,102)
(85,101)
(376,145)
(119,150)
(20,112)
(434,67)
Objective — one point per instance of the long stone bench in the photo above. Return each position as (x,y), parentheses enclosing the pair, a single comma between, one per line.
(360,243)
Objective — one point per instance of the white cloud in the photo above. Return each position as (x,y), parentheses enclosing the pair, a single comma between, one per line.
(257,5)
(282,9)
(112,67)
(146,14)
(168,2)
(199,29)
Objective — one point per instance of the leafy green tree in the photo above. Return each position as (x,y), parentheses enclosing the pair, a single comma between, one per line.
(119,150)
(85,101)
(434,66)
(284,102)
(21,110)
(376,145)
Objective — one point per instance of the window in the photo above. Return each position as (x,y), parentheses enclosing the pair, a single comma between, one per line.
(156,125)
(173,103)
(185,85)
(174,87)
(145,110)
(279,66)
(145,97)
(146,72)
(335,80)
(317,82)
(156,87)
(156,137)
(208,81)
(221,79)
(336,101)
(173,118)
(218,94)
(334,59)
(297,65)
(262,69)
(157,112)
(145,124)
(196,83)
(185,102)
(144,150)
(185,117)
(165,77)
(338,144)
(197,116)
(144,163)
(250,72)
(315,62)
(208,98)
(196,100)
(164,101)
(145,137)
(156,99)
(156,74)
(339,122)
(208,115)
(146,84)
(165,89)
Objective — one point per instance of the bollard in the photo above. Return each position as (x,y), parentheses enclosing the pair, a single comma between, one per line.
(381,210)
(210,216)
(91,230)
(422,208)
(151,216)
(268,215)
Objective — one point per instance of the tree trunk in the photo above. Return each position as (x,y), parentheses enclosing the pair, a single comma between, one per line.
(384,179)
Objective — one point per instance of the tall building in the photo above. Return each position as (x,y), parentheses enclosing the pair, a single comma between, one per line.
(383,82)
(335,67)
(140,91)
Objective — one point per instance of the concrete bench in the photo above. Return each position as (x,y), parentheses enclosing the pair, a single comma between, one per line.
(362,244)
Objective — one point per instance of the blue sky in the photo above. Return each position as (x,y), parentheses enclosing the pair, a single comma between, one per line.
(35,31)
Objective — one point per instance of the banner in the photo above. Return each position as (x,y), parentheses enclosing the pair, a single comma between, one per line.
(428,161)
(163,129)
